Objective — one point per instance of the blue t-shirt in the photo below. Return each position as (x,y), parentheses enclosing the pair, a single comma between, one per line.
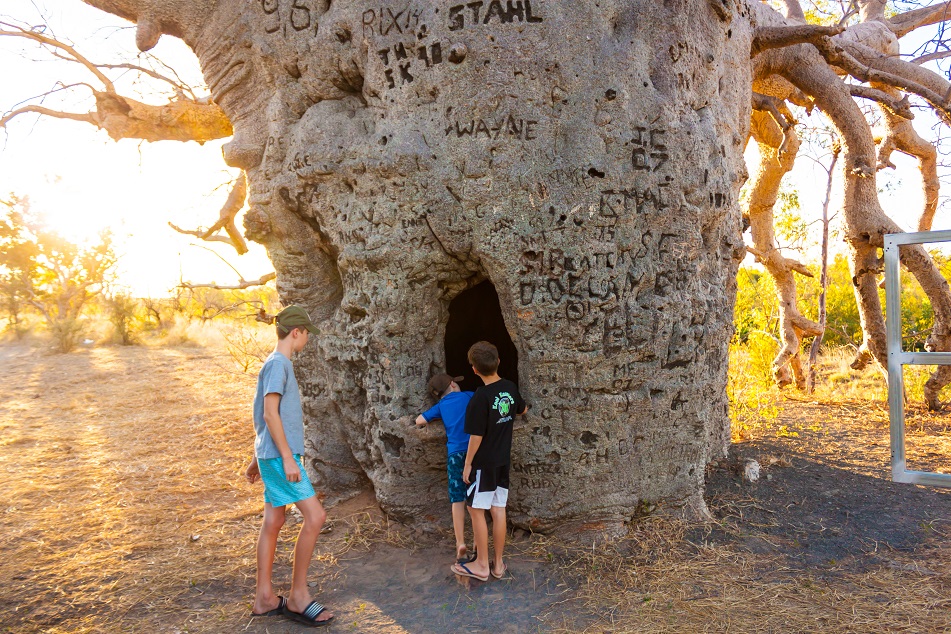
(277,377)
(452,410)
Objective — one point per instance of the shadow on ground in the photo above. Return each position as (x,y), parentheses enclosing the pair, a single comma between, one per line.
(816,514)
(388,590)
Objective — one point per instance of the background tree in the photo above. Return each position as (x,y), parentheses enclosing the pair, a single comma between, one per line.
(18,255)
(52,275)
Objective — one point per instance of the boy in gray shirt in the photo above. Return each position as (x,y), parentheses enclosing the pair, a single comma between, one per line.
(278,447)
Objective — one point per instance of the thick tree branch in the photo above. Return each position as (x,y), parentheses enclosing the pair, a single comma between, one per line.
(226,219)
(904,23)
(868,65)
(182,119)
(765,103)
(899,107)
(769,37)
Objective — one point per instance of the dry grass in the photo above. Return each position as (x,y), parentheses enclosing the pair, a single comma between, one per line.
(123,505)
(120,469)
(661,578)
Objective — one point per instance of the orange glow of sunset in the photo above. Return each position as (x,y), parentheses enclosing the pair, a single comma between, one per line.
(82,182)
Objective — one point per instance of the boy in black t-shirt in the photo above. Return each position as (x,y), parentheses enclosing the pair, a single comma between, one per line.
(489,419)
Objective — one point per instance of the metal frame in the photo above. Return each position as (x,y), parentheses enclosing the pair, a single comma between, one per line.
(897,358)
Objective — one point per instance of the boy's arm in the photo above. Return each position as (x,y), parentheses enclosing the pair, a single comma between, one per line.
(474,442)
(272,418)
(420,421)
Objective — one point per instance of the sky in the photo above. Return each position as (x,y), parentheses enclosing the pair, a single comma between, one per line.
(82,182)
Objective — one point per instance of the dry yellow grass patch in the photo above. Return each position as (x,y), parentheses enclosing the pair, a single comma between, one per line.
(663,577)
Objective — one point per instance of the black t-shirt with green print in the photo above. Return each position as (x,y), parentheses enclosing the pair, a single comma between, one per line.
(490,414)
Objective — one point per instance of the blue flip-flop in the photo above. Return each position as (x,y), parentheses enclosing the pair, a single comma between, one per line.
(281,602)
(466,572)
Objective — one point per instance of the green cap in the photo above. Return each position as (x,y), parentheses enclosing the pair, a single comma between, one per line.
(294,316)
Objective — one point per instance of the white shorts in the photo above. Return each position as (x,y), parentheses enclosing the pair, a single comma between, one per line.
(489,488)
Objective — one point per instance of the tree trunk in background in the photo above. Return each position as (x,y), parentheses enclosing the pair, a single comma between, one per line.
(824,276)
(583,158)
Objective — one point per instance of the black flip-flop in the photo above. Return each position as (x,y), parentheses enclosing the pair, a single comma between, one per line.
(281,602)
(468,558)
(309,615)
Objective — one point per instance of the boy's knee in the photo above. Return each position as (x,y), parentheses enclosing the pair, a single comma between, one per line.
(273,522)
(316,517)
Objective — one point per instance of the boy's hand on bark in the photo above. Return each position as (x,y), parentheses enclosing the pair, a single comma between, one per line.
(253,473)
(291,470)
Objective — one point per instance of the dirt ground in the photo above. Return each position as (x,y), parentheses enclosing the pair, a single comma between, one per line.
(123,511)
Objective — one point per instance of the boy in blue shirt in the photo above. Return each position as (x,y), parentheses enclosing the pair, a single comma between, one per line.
(451,408)
(278,447)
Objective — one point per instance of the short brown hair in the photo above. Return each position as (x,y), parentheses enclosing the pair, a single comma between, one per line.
(484,357)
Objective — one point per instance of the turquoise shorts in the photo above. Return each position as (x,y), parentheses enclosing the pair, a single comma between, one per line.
(277,490)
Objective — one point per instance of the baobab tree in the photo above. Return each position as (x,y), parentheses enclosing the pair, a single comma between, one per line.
(559,177)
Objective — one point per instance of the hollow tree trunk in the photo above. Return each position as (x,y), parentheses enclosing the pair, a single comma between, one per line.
(584,158)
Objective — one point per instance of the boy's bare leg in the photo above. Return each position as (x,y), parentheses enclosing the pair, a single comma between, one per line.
(480,535)
(459,527)
(264,597)
(314,517)
(498,537)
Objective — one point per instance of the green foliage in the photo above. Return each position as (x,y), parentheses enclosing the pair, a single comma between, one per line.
(788,223)
(756,307)
(750,389)
(843,326)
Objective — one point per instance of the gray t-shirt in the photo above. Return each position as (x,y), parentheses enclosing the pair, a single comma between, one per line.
(277,377)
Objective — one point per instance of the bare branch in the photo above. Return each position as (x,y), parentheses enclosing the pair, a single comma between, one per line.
(177,84)
(769,37)
(931,57)
(226,219)
(241,285)
(74,55)
(199,233)
(899,107)
(87,117)
(904,23)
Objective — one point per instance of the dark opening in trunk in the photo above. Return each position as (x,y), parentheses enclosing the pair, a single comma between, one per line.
(475,315)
